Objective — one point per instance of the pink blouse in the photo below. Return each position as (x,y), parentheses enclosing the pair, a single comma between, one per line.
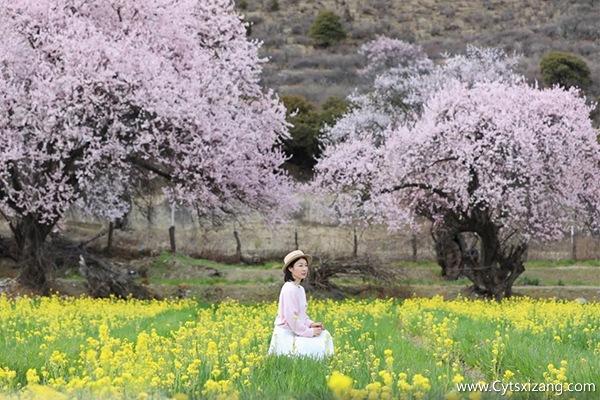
(292,310)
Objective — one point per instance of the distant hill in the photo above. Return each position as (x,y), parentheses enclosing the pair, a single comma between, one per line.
(529,27)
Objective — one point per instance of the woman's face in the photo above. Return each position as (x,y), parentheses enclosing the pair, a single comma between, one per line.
(299,269)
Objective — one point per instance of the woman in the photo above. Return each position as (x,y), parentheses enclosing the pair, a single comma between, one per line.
(295,333)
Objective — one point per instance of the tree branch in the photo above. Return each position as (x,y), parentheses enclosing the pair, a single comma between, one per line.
(150,167)
(441,160)
(423,186)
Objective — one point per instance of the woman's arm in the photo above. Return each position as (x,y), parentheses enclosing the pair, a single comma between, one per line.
(291,311)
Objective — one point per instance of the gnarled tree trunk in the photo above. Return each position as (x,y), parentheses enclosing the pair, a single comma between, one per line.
(30,237)
(473,249)
(105,280)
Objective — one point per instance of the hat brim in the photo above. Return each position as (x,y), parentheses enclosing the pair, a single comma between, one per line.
(308,258)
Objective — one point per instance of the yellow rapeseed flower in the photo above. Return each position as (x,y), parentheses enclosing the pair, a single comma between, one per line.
(452,395)
(340,384)
(32,376)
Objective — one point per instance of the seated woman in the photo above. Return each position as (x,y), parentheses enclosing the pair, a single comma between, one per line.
(295,333)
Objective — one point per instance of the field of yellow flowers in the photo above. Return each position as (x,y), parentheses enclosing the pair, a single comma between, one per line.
(83,348)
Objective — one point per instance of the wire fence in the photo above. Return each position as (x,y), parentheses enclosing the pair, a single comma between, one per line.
(257,240)
(160,229)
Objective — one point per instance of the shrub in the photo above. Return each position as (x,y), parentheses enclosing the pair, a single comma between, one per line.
(243,5)
(565,69)
(274,6)
(333,108)
(327,29)
(529,281)
(297,30)
(303,145)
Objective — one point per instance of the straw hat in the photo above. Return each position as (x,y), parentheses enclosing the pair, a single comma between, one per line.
(292,257)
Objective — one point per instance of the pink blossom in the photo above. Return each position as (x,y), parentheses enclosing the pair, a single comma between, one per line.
(468,135)
(95,93)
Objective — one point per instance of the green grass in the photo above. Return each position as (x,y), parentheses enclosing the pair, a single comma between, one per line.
(528,264)
(422,281)
(163,324)
(169,272)
(522,353)
(210,281)
(285,375)
(415,264)
(525,280)
(366,334)
(165,257)
(561,263)
(190,281)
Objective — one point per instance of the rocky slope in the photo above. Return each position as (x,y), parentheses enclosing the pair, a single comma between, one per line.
(529,27)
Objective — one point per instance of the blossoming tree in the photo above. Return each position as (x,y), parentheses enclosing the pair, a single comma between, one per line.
(94,94)
(496,158)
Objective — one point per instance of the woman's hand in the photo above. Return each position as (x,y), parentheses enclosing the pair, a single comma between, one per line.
(317,328)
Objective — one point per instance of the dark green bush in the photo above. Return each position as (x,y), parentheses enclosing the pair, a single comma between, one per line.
(303,146)
(565,69)
(274,5)
(242,4)
(528,281)
(332,109)
(327,29)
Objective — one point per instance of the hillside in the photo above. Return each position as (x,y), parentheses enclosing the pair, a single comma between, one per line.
(529,27)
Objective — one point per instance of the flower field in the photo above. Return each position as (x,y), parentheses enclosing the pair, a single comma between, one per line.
(61,348)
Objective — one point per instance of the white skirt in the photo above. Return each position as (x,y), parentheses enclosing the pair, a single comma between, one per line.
(286,342)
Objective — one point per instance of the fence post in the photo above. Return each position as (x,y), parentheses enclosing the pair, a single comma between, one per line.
(413,241)
(573,244)
(109,243)
(296,237)
(355,251)
(172,230)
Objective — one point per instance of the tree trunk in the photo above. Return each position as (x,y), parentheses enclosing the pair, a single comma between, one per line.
(238,247)
(448,253)
(475,251)
(105,280)
(31,240)
(413,242)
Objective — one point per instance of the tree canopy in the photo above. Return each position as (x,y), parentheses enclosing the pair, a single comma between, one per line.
(477,151)
(97,93)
